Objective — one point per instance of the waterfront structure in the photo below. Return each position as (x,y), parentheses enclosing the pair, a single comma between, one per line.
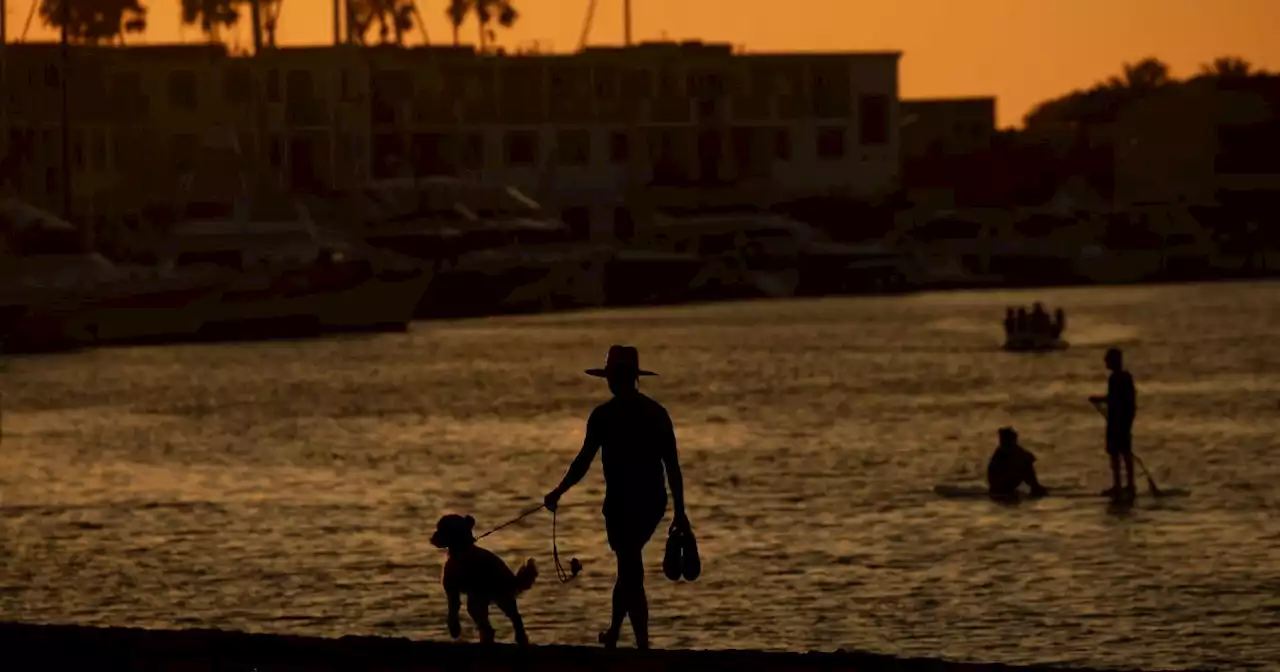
(586,132)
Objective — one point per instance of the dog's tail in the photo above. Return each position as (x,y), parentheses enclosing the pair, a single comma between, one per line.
(526,575)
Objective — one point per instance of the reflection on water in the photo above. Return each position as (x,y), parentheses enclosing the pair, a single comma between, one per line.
(292,487)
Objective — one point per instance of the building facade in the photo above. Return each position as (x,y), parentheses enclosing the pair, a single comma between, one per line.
(585,130)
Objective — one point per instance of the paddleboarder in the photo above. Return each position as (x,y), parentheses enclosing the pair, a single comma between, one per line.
(638,443)
(1012,465)
(1120,405)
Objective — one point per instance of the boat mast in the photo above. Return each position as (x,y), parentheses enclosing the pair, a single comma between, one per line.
(626,22)
(65,20)
(337,22)
(256,16)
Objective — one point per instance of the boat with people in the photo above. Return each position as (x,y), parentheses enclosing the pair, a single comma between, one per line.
(1034,330)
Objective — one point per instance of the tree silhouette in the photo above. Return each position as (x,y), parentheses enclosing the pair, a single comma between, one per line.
(1103,101)
(457,12)
(212,15)
(1142,77)
(394,19)
(1228,67)
(96,21)
(487,11)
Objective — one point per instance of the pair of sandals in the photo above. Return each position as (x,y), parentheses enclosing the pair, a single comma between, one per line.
(681,561)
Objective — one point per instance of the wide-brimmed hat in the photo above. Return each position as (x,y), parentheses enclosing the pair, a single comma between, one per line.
(622,360)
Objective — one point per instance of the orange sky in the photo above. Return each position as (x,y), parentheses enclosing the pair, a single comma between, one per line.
(1021,51)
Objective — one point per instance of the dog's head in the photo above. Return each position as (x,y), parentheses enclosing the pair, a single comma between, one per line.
(453,530)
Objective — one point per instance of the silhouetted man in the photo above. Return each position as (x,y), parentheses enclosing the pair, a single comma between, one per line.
(638,442)
(1021,322)
(1039,320)
(1120,406)
(1059,323)
(1010,466)
(1010,323)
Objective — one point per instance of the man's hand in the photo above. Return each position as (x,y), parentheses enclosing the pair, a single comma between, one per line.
(681,521)
(552,500)
(1097,399)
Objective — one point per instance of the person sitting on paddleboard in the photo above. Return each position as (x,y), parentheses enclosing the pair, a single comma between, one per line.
(1121,407)
(638,443)
(1010,466)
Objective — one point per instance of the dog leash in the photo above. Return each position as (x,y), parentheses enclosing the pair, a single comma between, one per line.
(574,565)
(513,521)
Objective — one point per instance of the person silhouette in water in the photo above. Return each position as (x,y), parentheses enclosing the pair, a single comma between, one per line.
(1010,466)
(638,442)
(1120,405)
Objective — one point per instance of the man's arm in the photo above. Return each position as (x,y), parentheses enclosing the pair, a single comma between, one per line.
(579,467)
(675,477)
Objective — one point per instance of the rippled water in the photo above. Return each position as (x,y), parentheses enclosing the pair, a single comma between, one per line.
(291,487)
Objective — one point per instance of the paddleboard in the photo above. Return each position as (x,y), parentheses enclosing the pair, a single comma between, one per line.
(979,492)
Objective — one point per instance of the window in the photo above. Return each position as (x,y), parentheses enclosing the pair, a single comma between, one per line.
(347,86)
(182,151)
(520,148)
(619,147)
(184,90)
(99,149)
(575,147)
(78,149)
(49,146)
(237,85)
(469,149)
(277,150)
(873,120)
(830,144)
(299,87)
(273,86)
(782,144)
(624,226)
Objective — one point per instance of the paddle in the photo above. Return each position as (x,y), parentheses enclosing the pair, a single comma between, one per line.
(1151,482)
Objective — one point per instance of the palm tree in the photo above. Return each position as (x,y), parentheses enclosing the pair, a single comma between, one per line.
(457,12)
(212,15)
(1144,76)
(96,21)
(488,10)
(1228,67)
(394,18)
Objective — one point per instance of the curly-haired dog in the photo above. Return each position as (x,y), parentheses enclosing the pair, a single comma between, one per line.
(482,576)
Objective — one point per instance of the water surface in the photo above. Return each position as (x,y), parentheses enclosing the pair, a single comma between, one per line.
(292,487)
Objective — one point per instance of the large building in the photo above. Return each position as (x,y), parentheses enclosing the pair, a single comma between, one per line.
(587,130)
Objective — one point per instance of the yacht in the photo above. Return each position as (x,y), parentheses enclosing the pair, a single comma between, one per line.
(493,249)
(288,276)
(56,296)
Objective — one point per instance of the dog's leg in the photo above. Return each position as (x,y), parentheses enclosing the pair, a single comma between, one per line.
(455,606)
(478,608)
(512,610)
